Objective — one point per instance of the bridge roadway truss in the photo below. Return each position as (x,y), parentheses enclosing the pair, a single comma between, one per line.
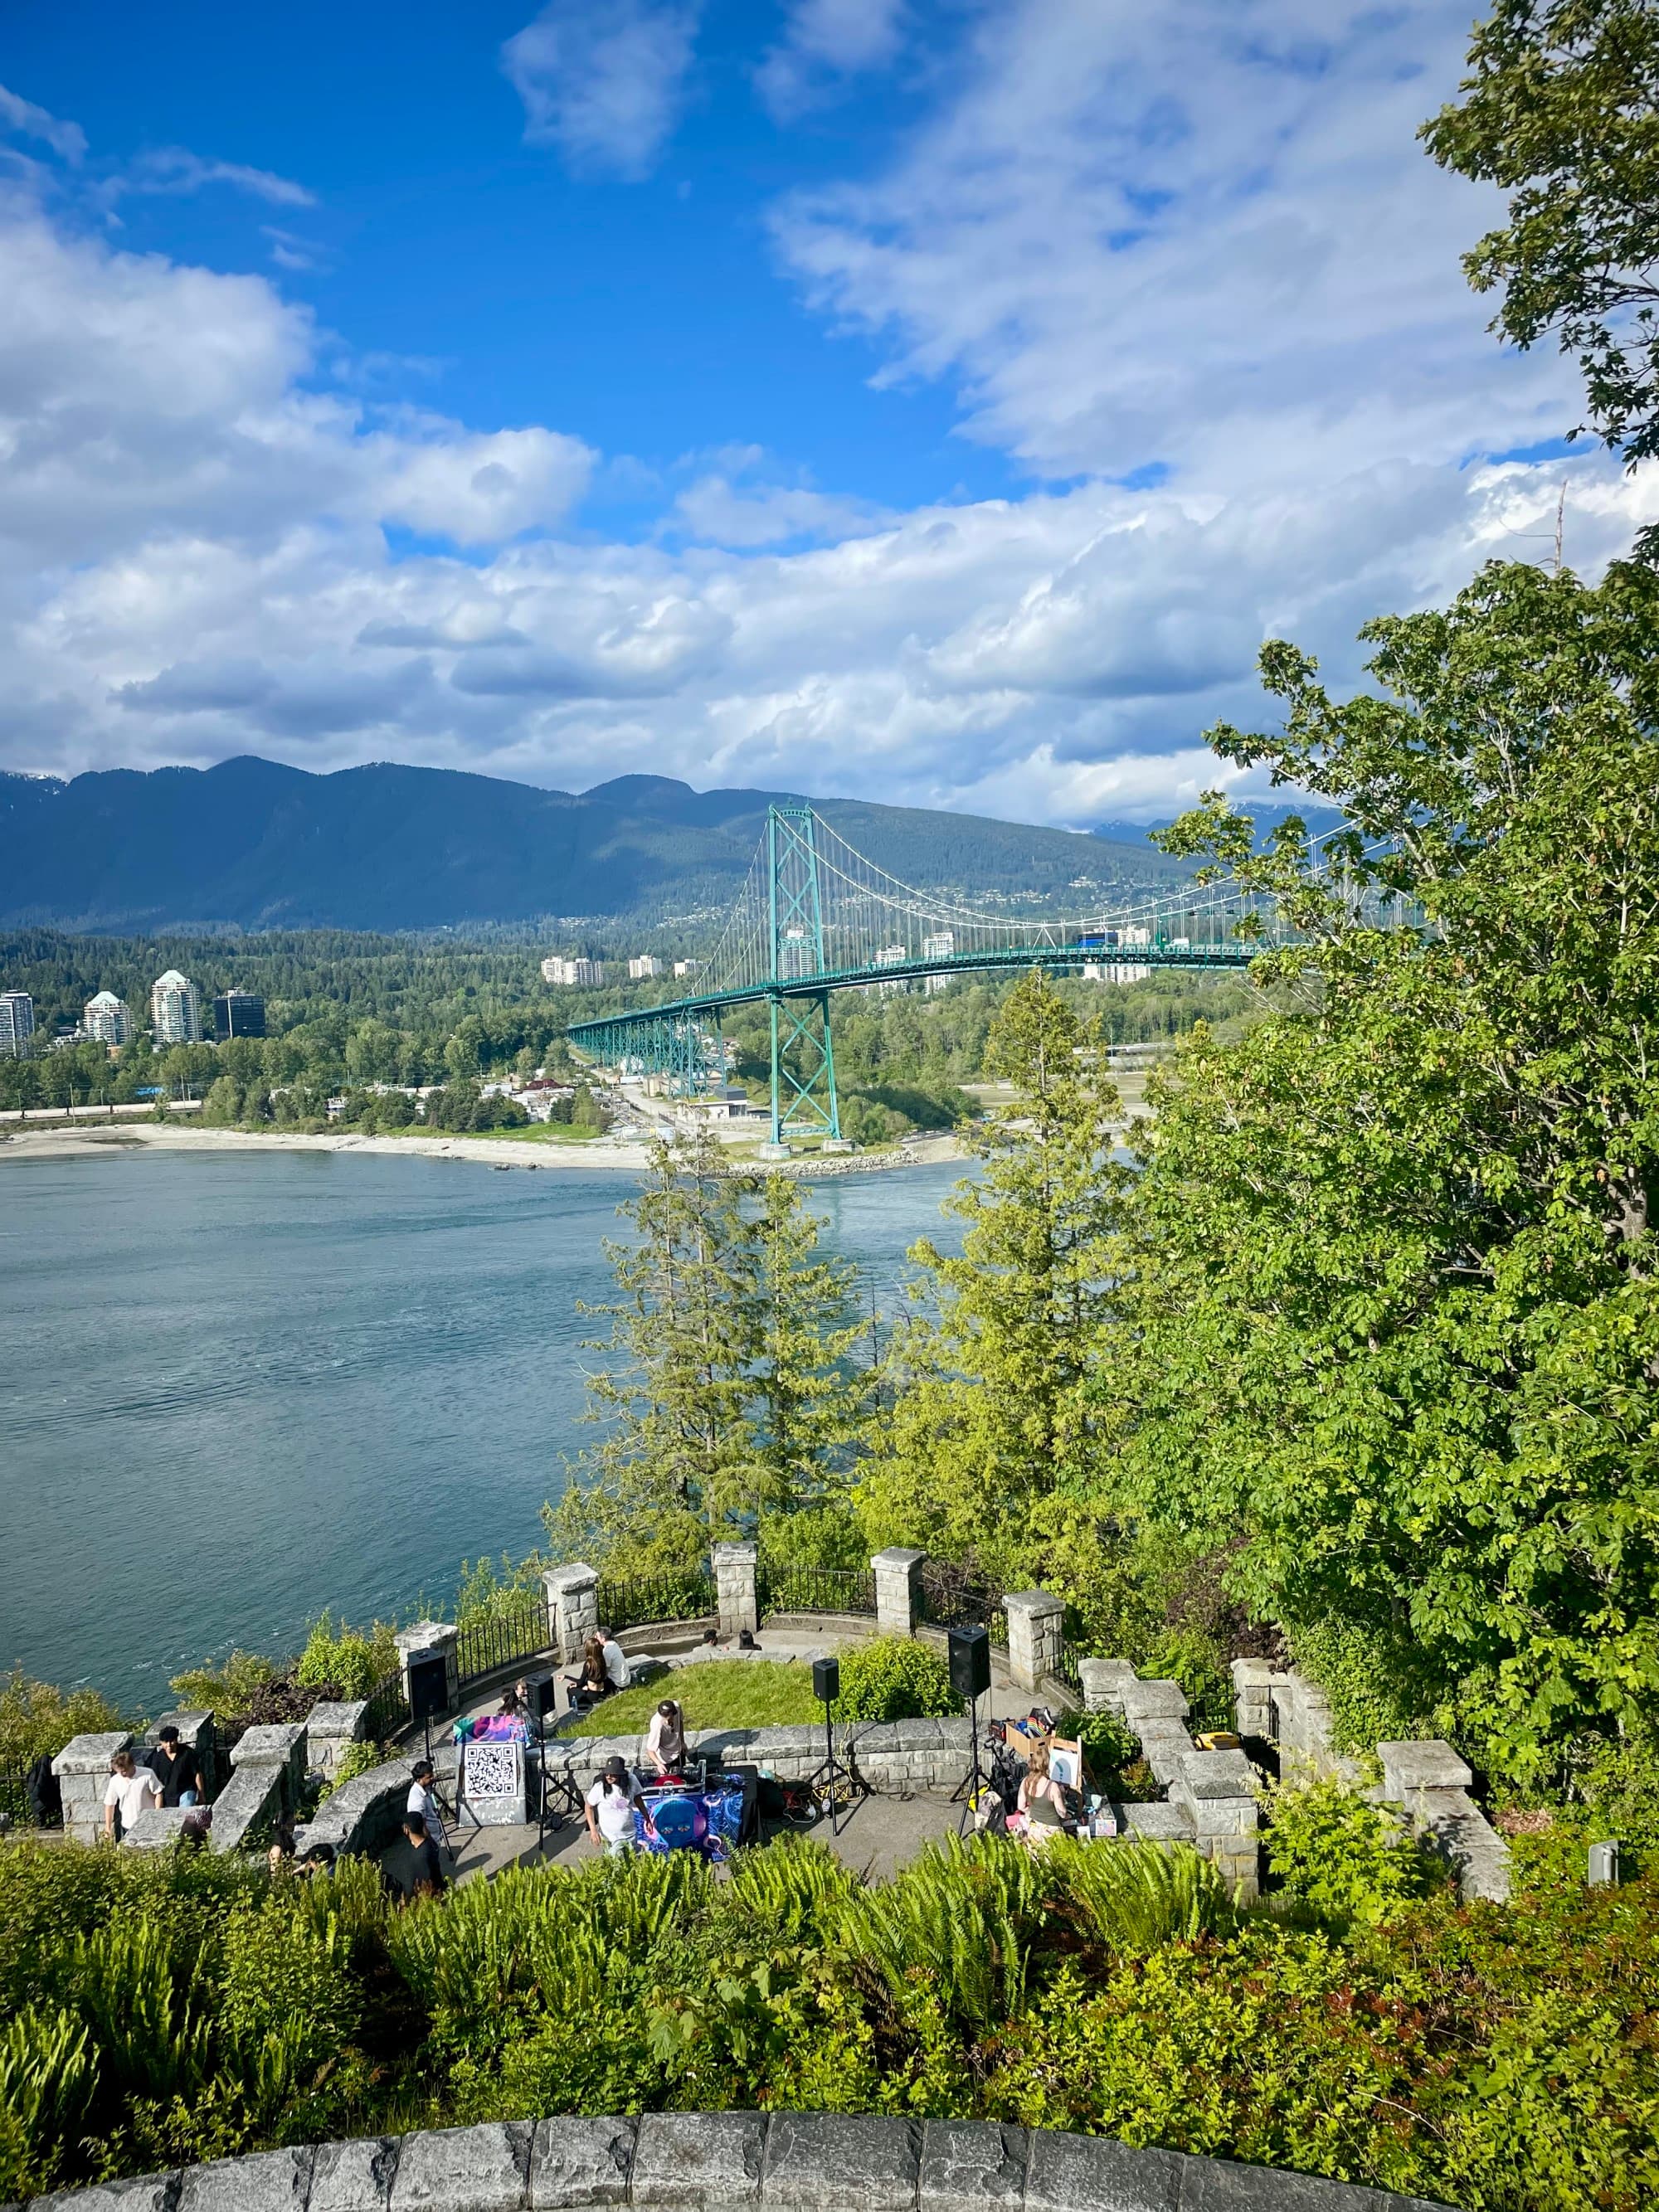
(807,925)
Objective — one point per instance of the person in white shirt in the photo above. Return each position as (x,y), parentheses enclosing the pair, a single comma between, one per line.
(610,1804)
(665,1740)
(423,1800)
(131,1787)
(616,1660)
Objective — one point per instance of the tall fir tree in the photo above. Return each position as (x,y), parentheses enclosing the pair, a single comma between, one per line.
(990,1417)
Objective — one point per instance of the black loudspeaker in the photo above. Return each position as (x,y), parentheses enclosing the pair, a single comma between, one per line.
(428,1686)
(826,1681)
(540,1696)
(970,1662)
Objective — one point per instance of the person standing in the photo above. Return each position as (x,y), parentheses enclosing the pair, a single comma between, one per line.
(175,1767)
(609,1806)
(130,1790)
(427,1873)
(665,1740)
(423,1797)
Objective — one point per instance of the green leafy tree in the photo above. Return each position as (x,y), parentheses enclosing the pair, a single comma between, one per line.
(1558,111)
(990,1416)
(1396,1326)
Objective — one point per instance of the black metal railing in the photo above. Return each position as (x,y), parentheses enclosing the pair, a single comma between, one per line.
(16,1806)
(388,1712)
(818,1590)
(951,1597)
(643,1598)
(1066,1669)
(492,1640)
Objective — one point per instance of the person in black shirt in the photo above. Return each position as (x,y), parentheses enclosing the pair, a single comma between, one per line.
(428,1873)
(174,1766)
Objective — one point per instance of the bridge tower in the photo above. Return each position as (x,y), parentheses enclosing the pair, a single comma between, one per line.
(804,1101)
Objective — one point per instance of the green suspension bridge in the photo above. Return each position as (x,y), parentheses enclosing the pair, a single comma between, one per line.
(814,917)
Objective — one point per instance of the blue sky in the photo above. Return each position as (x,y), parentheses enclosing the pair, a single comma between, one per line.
(930,403)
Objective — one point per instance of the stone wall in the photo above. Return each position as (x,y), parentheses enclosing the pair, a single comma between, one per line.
(706,2162)
(368,1811)
(1426,1780)
(891,1755)
(1210,1796)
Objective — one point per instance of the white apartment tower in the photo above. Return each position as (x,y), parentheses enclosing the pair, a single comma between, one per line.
(175,1010)
(643,967)
(578,972)
(17,1024)
(106,1019)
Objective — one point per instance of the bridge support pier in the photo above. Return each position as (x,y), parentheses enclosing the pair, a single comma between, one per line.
(804,1101)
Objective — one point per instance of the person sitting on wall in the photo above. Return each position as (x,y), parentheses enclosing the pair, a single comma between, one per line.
(593,1682)
(174,1766)
(609,1809)
(664,1751)
(1042,1801)
(616,1671)
(130,1788)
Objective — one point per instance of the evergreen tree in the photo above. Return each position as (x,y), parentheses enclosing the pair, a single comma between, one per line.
(807,1401)
(991,1419)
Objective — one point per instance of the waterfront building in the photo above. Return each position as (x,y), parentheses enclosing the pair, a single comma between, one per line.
(106,1019)
(238,1013)
(175,1010)
(579,972)
(17,1024)
(891,955)
(941,945)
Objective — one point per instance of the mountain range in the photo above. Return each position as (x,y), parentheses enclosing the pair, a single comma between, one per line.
(252,844)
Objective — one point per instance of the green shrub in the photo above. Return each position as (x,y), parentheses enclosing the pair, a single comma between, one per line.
(37,1717)
(1372,1690)
(357,1758)
(228,1692)
(1341,1861)
(346,1659)
(893,1679)
(1196,1662)
(1109,1744)
(1137,1897)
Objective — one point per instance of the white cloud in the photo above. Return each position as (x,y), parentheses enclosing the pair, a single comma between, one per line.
(67,140)
(194,516)
(175,170)
(824,42)
(603,84)
(287,252)
(1200,235)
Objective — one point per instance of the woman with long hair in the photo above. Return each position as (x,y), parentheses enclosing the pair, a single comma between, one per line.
(1041,1800)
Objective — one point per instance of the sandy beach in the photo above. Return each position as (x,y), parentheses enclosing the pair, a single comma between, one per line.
(602,1155)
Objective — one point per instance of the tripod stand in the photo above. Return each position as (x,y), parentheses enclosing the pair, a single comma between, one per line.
(832,1783)
(968,1791)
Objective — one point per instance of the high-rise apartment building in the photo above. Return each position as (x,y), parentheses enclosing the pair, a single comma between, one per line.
(106,1019)
(238,1013)
(688,968)
(175,1010)
(941,945)
(890,956)
(643,966)
(556,968)
(17,1024)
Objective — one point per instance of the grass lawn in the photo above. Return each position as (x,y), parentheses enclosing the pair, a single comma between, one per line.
(721,1693)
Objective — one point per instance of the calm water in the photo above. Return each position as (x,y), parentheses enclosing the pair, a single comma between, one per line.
(235,1390)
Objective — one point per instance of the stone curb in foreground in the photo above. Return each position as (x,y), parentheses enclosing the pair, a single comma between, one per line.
(708,2161)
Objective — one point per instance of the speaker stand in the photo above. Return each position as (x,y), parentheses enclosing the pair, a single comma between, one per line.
(967,1791)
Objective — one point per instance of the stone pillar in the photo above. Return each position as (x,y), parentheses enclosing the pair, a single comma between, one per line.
(331,1729)
(199,1731)
(281,1745)
(1217,1790)
(1255,1682)
(573,1608)
(1034,1628)
(737,1592)
(1103,1682)
(82,1771)
(425,1638)
(898,1572)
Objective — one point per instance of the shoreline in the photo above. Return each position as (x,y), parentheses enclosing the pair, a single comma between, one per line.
(600,1156)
